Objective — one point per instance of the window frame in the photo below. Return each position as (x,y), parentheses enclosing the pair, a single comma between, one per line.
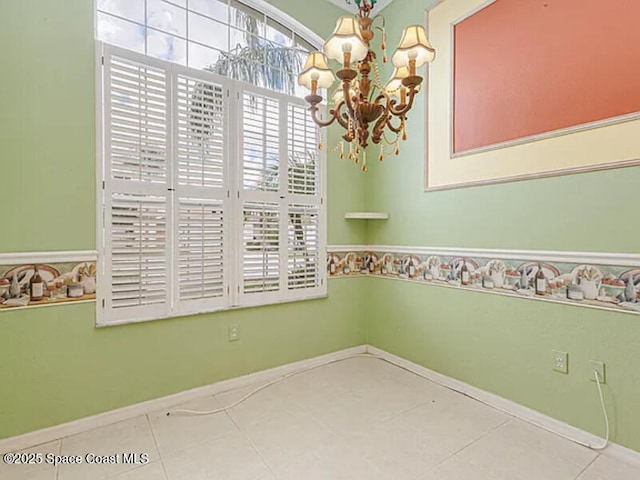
(268,10)
(235,298)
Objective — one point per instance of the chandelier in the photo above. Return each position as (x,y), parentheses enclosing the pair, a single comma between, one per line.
(361,104)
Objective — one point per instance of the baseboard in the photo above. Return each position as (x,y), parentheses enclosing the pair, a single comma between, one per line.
(524,413)
(50,434)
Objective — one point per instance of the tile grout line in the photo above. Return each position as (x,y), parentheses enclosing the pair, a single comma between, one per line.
(588,465)
(57,471)
(155,441)
(249,442)
(457,452)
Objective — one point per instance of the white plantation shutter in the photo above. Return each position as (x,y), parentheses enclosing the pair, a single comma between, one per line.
(261,255)
(260,142)
(201,264)
(303,247)
(137,215)
(210,193)
(283,247)
(306,249)
(303,141)
(139,250)
(263,236)
(201,125)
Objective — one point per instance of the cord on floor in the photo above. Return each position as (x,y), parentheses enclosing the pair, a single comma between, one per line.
(370,355)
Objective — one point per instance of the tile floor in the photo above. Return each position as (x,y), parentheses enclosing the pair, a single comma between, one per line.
(357,419)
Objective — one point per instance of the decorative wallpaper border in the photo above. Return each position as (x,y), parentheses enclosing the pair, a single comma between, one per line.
(67,277)
(596,280)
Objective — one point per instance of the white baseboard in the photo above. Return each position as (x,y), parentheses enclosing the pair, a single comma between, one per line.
(50,434)
(519,411)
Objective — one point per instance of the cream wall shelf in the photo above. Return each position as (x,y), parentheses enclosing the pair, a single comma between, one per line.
(366,216)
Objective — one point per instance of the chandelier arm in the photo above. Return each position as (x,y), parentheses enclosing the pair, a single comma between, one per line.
(314,115)
(339,116)
(396,112)
(378,128)
(346,88)
(391,127)
(405,108)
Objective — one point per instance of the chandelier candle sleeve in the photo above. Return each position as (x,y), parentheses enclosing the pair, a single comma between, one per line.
(365,108)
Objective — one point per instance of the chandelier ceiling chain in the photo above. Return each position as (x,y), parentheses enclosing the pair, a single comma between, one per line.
(362,106)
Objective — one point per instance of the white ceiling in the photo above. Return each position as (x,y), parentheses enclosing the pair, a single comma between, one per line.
(353,8)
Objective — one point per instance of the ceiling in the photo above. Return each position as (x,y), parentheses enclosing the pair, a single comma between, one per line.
(352,8)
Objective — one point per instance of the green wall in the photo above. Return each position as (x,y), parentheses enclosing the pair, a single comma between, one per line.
(54,365)
(501,344)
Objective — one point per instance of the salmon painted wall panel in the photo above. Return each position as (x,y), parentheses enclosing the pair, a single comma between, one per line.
(526,67)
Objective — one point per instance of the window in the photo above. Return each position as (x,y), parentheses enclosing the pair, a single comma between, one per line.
(227,37)
(212,192)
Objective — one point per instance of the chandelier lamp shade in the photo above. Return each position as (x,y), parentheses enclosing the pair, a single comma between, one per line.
(365,108)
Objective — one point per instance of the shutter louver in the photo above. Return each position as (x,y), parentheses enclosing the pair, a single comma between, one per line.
(138,122)
(261,247)
(303,249)
(303,141)
(261,143)
(201,252)
(201,135)
(138,251)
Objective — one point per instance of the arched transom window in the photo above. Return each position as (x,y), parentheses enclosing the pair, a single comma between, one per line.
(229,37)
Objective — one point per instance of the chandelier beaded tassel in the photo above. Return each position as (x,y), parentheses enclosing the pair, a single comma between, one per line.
(365,108)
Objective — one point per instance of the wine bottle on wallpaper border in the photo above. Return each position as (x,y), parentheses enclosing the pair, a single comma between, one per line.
(465,277)
(36,286)
(541,282)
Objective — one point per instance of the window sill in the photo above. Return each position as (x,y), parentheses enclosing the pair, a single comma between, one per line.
(218,310)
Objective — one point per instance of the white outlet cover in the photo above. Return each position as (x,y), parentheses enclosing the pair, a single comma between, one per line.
(560,360)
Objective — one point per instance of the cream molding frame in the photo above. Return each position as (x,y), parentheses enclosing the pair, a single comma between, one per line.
(451,179)
(531,138)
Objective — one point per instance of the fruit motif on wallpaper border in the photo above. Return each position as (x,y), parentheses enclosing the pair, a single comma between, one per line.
(595,285)
(46,284)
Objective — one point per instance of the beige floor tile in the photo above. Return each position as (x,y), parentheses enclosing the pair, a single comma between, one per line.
(32,471)
(266,404)
(455,420)
(179,432)
(350,413)
(281,439)
(131,436)
(229,457)
(310,389)
(399,450)
(456,469)
(607,468)
(519,451)
(337,462)
(152,471)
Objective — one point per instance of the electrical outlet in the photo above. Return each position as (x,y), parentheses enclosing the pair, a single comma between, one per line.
(561,361)
(597,365)
(234,333)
